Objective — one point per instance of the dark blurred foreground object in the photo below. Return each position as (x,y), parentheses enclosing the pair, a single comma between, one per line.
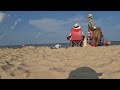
(84,73)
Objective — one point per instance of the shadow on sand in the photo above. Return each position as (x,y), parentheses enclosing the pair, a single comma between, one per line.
(84,73)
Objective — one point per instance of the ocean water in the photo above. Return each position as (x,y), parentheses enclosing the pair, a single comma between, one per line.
(63,45)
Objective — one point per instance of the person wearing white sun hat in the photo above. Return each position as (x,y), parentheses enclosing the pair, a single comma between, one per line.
(77,26)
(91,25)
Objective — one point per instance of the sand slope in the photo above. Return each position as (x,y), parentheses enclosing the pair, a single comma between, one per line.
(45,63)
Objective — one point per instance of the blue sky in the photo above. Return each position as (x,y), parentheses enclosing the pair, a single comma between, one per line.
(36,27)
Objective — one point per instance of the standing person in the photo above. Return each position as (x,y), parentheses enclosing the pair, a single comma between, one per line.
(91,25)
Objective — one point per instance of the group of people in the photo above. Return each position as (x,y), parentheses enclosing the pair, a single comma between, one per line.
(91,28)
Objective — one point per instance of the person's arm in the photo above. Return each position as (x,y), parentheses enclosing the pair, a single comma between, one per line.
(68,37)
(70,34)
(88,28)
(91,24)
(82,33)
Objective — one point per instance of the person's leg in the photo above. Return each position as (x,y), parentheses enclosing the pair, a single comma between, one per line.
(72,43)
(91,33)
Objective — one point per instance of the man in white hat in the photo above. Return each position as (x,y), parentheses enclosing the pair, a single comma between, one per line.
(77,27)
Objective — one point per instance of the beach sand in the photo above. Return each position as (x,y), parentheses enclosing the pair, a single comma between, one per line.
(45,63)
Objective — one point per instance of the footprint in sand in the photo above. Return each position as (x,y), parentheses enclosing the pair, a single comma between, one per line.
(20,72)
(57,69)
(6,67)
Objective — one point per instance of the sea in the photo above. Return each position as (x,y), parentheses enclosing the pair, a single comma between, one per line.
(63,45)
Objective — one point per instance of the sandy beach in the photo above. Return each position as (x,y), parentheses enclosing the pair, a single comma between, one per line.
(45,63)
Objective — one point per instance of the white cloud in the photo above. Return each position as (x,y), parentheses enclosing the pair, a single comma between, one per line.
(80,19)
(58,26)
(52,25)
(2,16)
(1,36)
(15,23)
(47,24)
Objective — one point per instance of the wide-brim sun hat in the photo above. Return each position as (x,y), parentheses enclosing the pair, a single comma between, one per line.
(77,25)
(90,16)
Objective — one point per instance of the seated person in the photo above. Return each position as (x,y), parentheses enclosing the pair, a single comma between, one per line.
(107,42)
(76,27)
(76,35)
(104,42)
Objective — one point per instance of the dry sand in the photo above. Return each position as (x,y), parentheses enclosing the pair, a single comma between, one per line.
(45,63)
